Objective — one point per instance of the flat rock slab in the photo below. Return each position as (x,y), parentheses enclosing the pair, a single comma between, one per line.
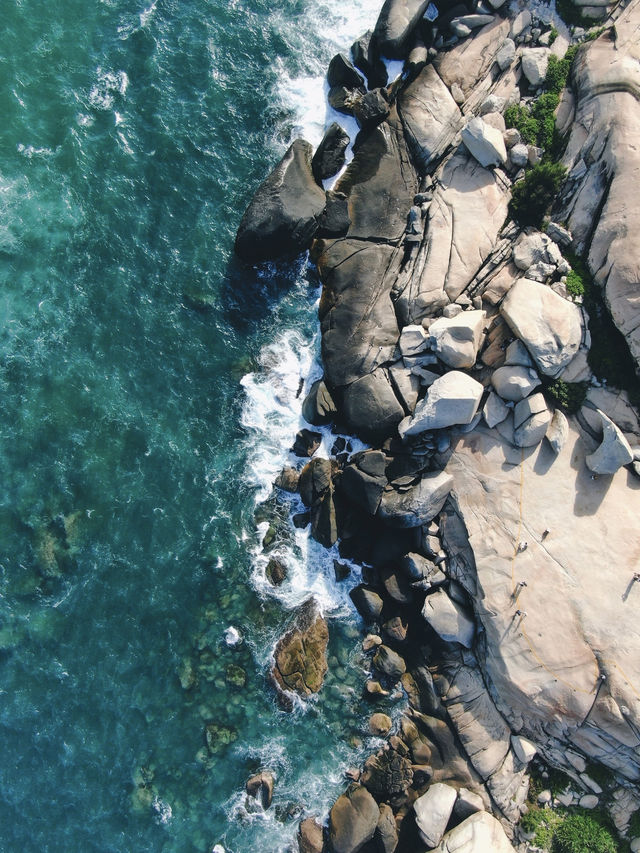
(548,325)
(544,667)
(301,654)
(452,399)
(430,115)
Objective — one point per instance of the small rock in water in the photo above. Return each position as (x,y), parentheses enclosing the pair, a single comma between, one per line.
(232,636)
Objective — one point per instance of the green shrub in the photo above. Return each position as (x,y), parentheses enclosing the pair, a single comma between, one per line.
(571,14)
(634,825)
(553,35)
(583,833)
(569,395)
(575,284)
(519,117)
(532,197)
(542,823)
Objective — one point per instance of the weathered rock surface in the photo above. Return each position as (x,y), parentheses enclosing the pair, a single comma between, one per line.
(419,504)
(601,212)
(330,157)
(260,786)
(310,836)
(531,419)
(548,325)
(301,654)
(534,64)
(451,399)
(282,218)
(544,667)
(477,834)
(613,452)
(430,115)
(514,383)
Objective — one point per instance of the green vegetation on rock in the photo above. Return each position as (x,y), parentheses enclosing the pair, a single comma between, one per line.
(532,197)
(568,395)
(542,824)
(583,832)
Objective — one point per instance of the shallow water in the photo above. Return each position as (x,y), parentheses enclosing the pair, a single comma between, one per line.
(138,433)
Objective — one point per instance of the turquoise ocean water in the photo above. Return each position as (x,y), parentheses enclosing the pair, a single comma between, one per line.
(138,432)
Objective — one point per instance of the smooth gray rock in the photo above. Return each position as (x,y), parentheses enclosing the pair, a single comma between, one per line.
(494,410)
(448,619)
(283,216)
(342,73)
(389,662)
(534,64)
(514,383)
(531,419)
(457,339)
(452,399)
(419,504)
(519,155)
(530,249)
(318,407)
(557,431)
(430,114)
(548,325)
(432,812)
(370,406)
(613,452)
(367,602)
(479,833)
(484,142)
(506,54)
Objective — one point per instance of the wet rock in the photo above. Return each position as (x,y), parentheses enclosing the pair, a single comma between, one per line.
(419,504)
(389,663)
(432,812)
(367,602)
(260,787)
(387,774)
(448,619)
(301,654)
(276,571)
(365,58)
(288,479)
(310,836)
(371,109)
(370,642)
(330,154)
(452,399)
(187,674)
(235,675)
(484,142)
(353,820)
(282,218)
(374,690)
(379,724)
(395,25)
(342,73)
(318,407)
(306,443)
(371,407)
(361,487)
(341,570)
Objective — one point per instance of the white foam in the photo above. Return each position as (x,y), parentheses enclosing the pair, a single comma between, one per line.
(108,85)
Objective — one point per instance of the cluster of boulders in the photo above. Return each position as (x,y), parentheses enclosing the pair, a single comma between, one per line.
(444,327)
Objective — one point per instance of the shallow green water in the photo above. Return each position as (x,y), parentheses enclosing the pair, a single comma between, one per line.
(130,453)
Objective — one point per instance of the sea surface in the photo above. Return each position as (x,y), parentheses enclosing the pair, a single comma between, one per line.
(150,388)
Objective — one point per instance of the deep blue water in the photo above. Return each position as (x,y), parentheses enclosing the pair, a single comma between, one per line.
(137,433)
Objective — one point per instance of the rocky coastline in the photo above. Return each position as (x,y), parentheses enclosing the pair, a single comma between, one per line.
(479,319)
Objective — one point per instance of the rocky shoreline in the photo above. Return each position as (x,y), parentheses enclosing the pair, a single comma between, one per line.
(471,254)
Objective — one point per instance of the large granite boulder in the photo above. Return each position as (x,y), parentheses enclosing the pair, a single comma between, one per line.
(548,325)
(452,399)
(432,812)
(484,142)
(531,419)
(395,24)
(448,619)
(514,382)
(353,820)
(301,654)
(419,504)
(467,64)
(613,452)
(282,218)
(370,406)
(457,339)
(310,836)
(479,833)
